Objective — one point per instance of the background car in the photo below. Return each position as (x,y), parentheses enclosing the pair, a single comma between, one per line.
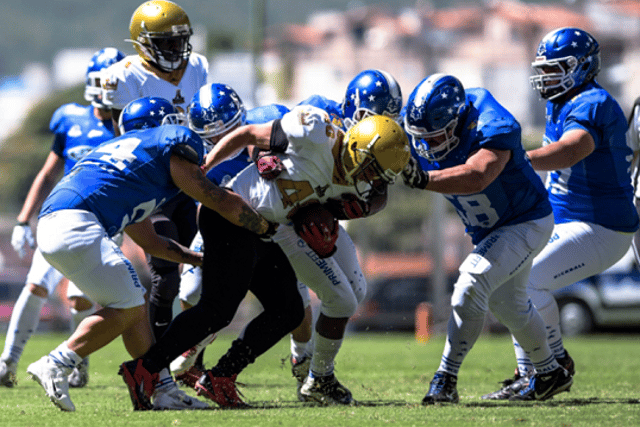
(391,302)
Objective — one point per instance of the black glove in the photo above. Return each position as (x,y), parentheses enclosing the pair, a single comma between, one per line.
(414,176)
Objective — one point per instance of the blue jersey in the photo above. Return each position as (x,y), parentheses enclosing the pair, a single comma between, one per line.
(332,107)
(222,173)
(124,180)
(598,188)
(77,131)
(517,194)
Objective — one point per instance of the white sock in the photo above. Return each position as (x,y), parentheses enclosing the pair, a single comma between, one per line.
(531,349)
(460,339)
(64,356)
(24,321)
(548,308)
(165,381)
(78,316)
(324,353)
(298,348)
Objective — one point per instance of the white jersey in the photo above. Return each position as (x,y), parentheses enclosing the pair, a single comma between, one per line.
(312,167)
(129,79)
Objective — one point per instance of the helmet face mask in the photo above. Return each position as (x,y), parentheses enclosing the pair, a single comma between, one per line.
(433,112)
(377,150)
(215,110)
(566,58)
(99,61)
(160,31)
(371,92)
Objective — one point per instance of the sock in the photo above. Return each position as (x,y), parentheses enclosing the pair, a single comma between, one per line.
(238,357)
(459,342)
(298,349)
(324,353)
(160,318)
(548,309)
(64,356)
(78,316)
(532,341)
(165,381)
(24,321)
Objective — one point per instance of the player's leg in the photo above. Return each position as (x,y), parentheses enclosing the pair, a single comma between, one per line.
(41,282)
(80,307)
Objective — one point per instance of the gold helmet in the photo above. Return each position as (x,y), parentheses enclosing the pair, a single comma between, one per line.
(377,150)
(160,32)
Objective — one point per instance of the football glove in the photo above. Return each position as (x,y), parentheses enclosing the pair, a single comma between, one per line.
(22,237)
(269,166)
(319,238)
(348,206)
(414,176)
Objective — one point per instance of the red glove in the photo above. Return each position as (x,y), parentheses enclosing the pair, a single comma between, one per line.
(269,166)
(349,206)
(320,238)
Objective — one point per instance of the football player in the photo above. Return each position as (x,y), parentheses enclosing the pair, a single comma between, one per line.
(215,110)
(77,129)
(467,147)
(164,67)
(319,163)
(587,161)
(142,169)
(370,92)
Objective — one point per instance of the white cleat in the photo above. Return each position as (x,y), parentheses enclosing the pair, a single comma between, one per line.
(8,373)
(54,379)
(172,398)
(80,375)
(186,360)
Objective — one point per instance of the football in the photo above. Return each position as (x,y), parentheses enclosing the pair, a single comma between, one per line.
(317,226)
(315,213)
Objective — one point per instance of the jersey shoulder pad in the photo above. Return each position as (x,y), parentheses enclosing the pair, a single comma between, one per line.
(67,115)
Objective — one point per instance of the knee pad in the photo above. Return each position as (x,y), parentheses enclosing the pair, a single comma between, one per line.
(165,286)
(466,302)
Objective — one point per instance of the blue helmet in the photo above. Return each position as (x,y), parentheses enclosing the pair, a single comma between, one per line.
(147,112)
(566,58)
(432,114)
(101,59)
(214,110)
(369,93)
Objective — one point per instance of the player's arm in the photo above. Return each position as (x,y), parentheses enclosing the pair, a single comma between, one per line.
(471,177)
(573,146)
(145,236)
(190,179)
(41,186)
(245,136)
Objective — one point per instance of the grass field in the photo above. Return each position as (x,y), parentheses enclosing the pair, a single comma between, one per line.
(387,373)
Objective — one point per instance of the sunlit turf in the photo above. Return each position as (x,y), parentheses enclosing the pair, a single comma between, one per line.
(388,375)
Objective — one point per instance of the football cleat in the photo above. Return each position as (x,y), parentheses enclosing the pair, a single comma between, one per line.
(222,390)
(545,386)
(80,375)
(326,390)
(186,360)
(567,363)
(510,387)
(172,398)
(191,376)
(140,382)
(53,377)
(300,370)
(442,389)
(8,373)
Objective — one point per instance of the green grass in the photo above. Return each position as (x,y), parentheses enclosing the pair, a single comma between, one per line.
(387,373)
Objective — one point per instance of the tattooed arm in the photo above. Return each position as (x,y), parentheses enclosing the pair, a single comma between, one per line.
(191,179)
(146,237)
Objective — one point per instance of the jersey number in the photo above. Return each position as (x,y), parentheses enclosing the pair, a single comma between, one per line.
(119,153)
(293,192)
(475,210)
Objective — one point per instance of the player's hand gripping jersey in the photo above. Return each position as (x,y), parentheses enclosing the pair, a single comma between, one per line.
(129,177)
